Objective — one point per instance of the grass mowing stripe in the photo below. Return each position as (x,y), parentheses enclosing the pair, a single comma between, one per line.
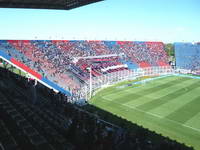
(176,103)
(112,93)
(133,96)
(194,121)
(155,115)
(159,116)
(168,127)
(187,132)
(169,97)
(151,114)
(162,92)
(186,112)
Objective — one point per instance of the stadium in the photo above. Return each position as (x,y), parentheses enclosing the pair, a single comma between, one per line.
(58,94)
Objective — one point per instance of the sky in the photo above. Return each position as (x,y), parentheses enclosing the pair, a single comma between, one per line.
(129,20)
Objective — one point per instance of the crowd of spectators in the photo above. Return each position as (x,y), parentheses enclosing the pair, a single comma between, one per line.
(36,118)
(188,56)
(55,59)
(99,66)
(147,53)
(46,60)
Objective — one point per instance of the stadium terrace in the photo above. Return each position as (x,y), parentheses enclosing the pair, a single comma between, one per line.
(67,63)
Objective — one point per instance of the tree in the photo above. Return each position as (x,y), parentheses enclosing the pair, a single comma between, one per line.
(169,48)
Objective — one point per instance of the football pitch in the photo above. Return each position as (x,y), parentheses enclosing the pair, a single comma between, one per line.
(167,105)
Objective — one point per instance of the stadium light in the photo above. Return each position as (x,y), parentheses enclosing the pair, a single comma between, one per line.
(90,81)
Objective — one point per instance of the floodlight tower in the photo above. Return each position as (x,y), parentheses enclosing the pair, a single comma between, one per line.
(90,81)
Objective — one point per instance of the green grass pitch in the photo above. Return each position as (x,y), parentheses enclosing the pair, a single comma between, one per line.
(169,105)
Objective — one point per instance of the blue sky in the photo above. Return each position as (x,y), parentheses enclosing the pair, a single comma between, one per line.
(141,20)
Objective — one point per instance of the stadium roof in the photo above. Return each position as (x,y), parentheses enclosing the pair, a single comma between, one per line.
(45,4)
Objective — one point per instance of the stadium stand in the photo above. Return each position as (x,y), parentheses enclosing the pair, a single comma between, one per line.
(188,57)
(34,117)
(67,63)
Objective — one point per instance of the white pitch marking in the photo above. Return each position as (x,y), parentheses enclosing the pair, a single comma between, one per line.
(191,127)
(163,118)
(176,122)
(155,115)
(142,111)
(108,99)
